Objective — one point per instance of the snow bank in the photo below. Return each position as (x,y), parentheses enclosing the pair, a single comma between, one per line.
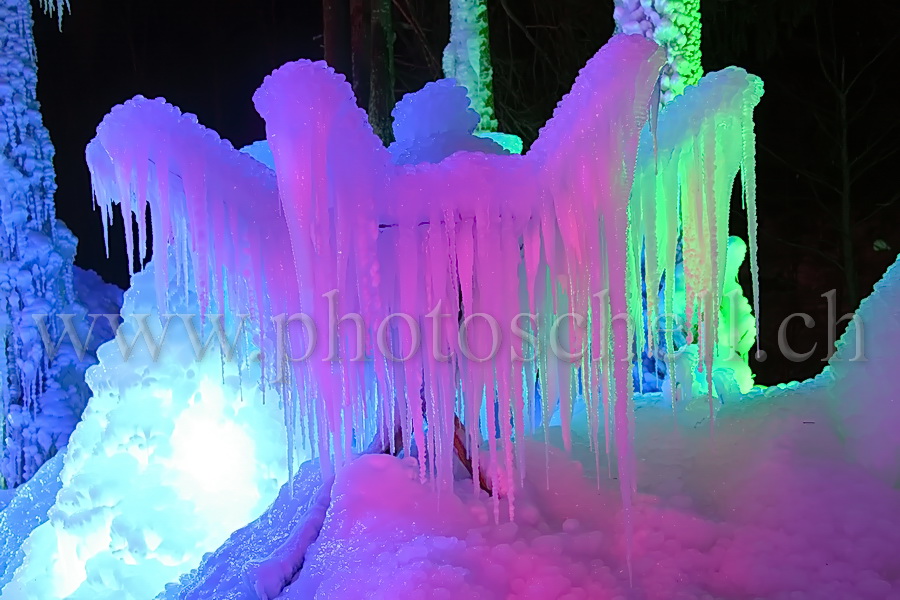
(864,399)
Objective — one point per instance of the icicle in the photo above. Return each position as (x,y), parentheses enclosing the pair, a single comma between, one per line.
(141,173)
(748,184)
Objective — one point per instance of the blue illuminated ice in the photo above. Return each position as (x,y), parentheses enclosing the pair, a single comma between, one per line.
(173,454)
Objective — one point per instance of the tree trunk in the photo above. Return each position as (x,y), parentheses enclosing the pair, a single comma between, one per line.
(676,27)
(381,91)
(847,254)
(360,23)
(371,59)
(336,33)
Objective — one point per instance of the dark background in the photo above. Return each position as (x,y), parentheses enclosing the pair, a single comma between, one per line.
(208,57)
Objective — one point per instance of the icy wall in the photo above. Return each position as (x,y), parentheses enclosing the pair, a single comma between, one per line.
(429,126)
(173,454)
(42,393)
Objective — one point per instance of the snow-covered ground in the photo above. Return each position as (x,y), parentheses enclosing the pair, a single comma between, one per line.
(768,506)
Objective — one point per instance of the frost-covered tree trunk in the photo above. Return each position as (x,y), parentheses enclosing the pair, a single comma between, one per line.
(674,24)
(42,395)
(467,58)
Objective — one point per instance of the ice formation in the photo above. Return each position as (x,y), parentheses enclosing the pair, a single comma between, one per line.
(43,392)
(737,322)
(674,25)
(429,126)
(178,447)
(556,232)
(681,195)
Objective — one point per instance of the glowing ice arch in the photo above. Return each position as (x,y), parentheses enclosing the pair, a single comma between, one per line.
(542,233)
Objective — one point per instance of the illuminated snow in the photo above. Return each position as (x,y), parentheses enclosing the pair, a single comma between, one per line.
(27,508)
(171,457)
(794,496)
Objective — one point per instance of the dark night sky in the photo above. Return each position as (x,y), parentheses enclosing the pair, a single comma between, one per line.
(208,57)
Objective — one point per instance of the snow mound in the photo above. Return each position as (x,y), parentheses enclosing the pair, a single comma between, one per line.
(176,450)
(238,569)
(863,399)
(436,122)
